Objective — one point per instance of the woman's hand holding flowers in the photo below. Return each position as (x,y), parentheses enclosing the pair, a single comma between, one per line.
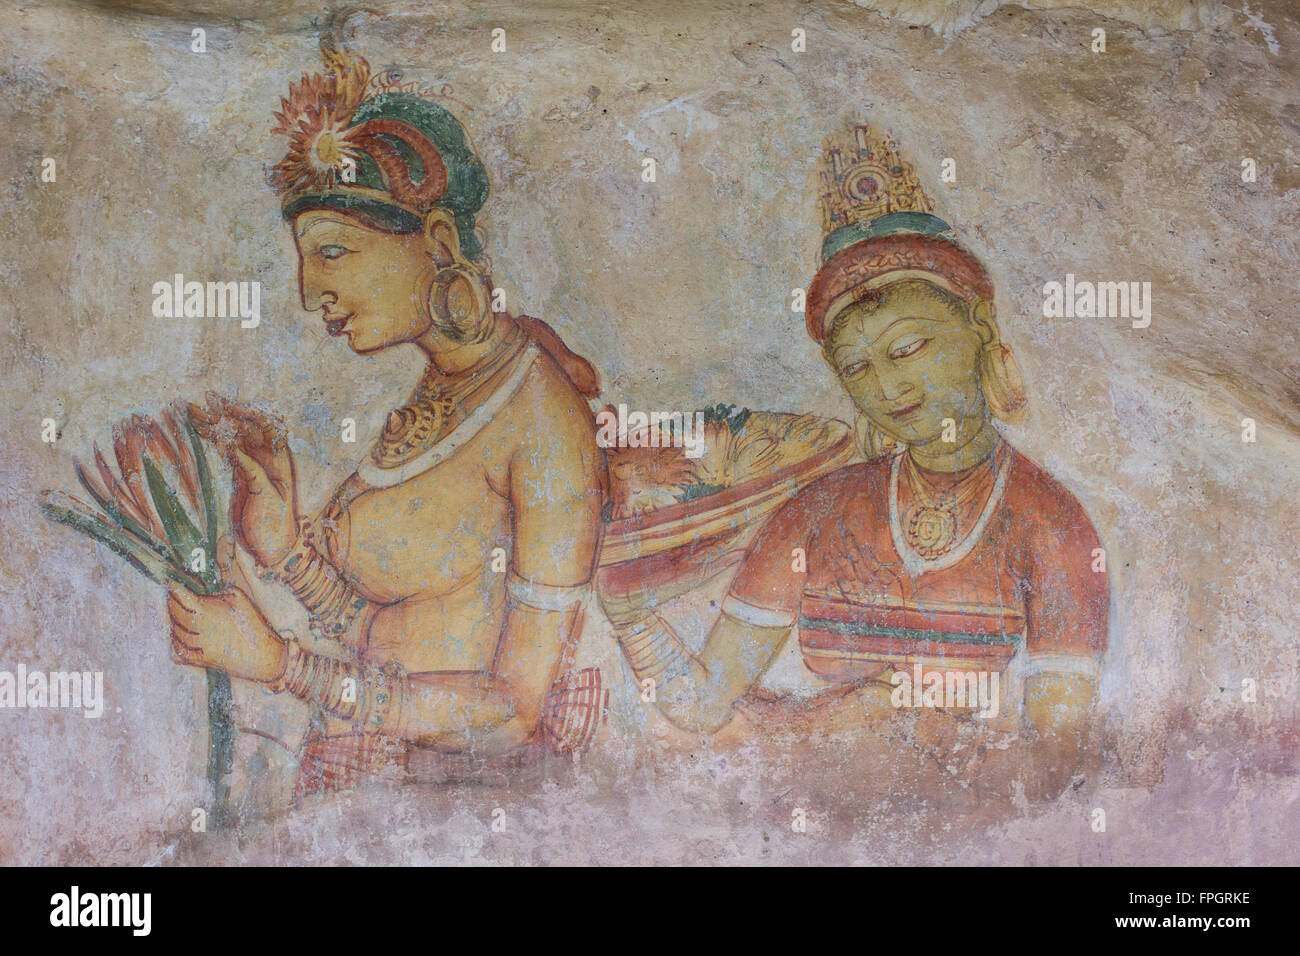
(264,506)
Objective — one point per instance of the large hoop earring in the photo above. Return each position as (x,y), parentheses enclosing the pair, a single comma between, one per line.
(459,325)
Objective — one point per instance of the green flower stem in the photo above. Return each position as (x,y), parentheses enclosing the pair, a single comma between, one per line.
(221,744)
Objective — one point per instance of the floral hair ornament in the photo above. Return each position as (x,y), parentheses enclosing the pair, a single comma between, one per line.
(389,156)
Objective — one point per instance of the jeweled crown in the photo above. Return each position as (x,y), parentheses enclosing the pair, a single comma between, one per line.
(863,178)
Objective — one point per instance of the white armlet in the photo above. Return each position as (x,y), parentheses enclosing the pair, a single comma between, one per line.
(1057,662)
(546,597)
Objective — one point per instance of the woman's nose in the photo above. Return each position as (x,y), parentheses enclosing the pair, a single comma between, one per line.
(893,384)
(309,287)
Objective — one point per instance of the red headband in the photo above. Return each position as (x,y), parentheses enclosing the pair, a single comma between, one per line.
(947,264)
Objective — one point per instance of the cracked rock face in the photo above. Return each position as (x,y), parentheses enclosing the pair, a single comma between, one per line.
(949,17)
(1118,165)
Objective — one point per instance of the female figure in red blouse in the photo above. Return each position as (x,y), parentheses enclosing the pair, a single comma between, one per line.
(945,557)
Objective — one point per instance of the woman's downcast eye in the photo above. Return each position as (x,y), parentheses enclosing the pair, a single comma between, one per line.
(333,251)
(856,368)
(908,347)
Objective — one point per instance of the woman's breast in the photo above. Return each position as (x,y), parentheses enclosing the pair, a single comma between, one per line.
(430,537)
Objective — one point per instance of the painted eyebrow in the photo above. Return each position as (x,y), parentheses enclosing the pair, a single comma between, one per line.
(316,222)
(854,350)
(906,318)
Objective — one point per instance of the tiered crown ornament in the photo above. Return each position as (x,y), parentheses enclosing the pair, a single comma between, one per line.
(864,178)
(881,229)
(357,146)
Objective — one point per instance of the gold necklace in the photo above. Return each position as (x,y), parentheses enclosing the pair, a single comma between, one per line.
(932,525)
(438,402)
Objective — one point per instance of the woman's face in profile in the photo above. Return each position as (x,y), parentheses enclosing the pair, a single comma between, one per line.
(369,285)
(909,360)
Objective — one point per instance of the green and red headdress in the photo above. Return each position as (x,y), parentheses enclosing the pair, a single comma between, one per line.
(389,156)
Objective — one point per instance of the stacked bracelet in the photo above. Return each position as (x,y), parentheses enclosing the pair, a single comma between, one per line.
(369,697)
(654,650)
(329,599)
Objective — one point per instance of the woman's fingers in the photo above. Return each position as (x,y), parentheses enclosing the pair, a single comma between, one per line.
(181,598)
(244,415)
(206,424)
(226,555)
(221,429)
(252,472)
(199,415)
(232,572)
(182,625)
(181,617)
(182,647)
(183,653)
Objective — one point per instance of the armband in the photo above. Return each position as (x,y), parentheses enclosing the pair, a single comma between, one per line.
(546,597)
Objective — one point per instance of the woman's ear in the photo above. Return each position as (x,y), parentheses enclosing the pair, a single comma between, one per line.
(983,317)
(442,236)
(1000,379)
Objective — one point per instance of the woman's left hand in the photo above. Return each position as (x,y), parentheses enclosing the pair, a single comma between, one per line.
(225,631)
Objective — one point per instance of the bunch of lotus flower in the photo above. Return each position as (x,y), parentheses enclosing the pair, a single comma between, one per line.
(159,512)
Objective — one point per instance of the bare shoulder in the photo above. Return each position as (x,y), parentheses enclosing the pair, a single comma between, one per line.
(550,412)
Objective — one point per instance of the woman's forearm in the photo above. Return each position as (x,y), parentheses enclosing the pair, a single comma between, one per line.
(331,602)
(698,692)
(443,710)
(490,710)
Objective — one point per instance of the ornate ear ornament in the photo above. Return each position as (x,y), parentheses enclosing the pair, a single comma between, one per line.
(459,328)
(1004,388)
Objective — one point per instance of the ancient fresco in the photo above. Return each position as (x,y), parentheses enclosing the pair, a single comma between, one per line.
(650,438)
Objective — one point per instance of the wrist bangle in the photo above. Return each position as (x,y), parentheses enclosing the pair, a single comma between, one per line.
(653,649)
(330,601)
(377,693)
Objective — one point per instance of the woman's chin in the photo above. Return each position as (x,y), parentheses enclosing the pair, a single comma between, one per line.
(364,344)
(893,432)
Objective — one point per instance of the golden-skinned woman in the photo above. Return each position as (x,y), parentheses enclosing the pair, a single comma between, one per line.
(420,651)
(947,582)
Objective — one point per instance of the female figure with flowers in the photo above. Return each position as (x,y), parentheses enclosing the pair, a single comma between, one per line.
(422,654)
